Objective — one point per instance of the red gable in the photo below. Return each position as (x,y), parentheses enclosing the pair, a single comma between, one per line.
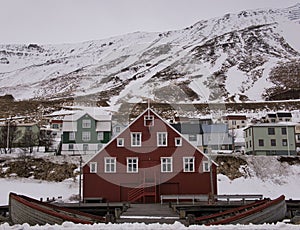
(148,150)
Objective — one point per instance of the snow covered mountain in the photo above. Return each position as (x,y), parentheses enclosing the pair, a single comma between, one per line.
(236,57)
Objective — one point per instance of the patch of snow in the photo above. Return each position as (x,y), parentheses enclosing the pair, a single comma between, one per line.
(156,226)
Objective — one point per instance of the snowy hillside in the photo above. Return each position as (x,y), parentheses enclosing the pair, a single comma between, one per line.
(220,59)
(262,175)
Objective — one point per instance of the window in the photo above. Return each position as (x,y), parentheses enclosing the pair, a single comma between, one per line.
(120,142)
(178,141)
(250,143)
(192,137)
(118,129)
(283,131)
(189,164)
(86,136)
(86,124)
(166,164)
(110,164)
(136,139)
(100,136)
(261,142)
(273,142)
(55,126)
(284,142)
(298,137)
(71,147)
(148,120)
(206,166)
(72,136)
(93,167)
(85,147)
(271,131)
(132,165)
(162,139)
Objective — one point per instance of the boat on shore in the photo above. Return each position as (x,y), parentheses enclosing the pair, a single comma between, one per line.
(23,209)
(258,212)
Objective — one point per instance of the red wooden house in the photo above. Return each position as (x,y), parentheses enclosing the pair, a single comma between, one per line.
(147,159)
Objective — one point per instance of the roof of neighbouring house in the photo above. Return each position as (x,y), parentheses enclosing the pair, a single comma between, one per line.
(236,117)
(272,115)
(97,117)
(215,128)
(284,114)
(188,128)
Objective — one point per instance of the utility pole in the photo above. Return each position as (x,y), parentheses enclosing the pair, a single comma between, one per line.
(7,139)
(211,175)
(80,172)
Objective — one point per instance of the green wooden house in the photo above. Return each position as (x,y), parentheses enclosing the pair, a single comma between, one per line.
(83,133)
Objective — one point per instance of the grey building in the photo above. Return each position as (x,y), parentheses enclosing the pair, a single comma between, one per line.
(270,139)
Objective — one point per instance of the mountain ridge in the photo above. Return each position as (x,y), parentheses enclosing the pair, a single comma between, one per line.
(228,58)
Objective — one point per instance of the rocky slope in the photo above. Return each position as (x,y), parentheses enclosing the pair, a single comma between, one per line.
(237,57)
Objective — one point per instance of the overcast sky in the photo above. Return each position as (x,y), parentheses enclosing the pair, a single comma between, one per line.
(69,21)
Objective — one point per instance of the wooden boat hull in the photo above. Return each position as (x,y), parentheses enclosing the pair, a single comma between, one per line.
(265,214)
(24,209)
(263,211)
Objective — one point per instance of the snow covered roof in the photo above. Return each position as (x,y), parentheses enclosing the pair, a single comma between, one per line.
(97,117)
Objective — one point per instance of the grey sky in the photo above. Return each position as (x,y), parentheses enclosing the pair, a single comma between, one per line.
(69,21)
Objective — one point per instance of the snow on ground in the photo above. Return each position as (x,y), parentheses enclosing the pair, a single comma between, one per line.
(257,186)
(134,226)
(37,189)
(271,180)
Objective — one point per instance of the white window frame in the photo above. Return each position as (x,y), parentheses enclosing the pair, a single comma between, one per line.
(161,138)
(148,120)
(110,164)
(72,136)
(86,123)
(178,141)
(86,136)
(206,166)
(166,164)
(135,141)
(100,136)
(120,142)
(189,162)
(93,167)
(118,129)
(130,165)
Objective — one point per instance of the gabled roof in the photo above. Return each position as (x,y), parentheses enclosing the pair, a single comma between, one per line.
(97,117)
(166,123)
